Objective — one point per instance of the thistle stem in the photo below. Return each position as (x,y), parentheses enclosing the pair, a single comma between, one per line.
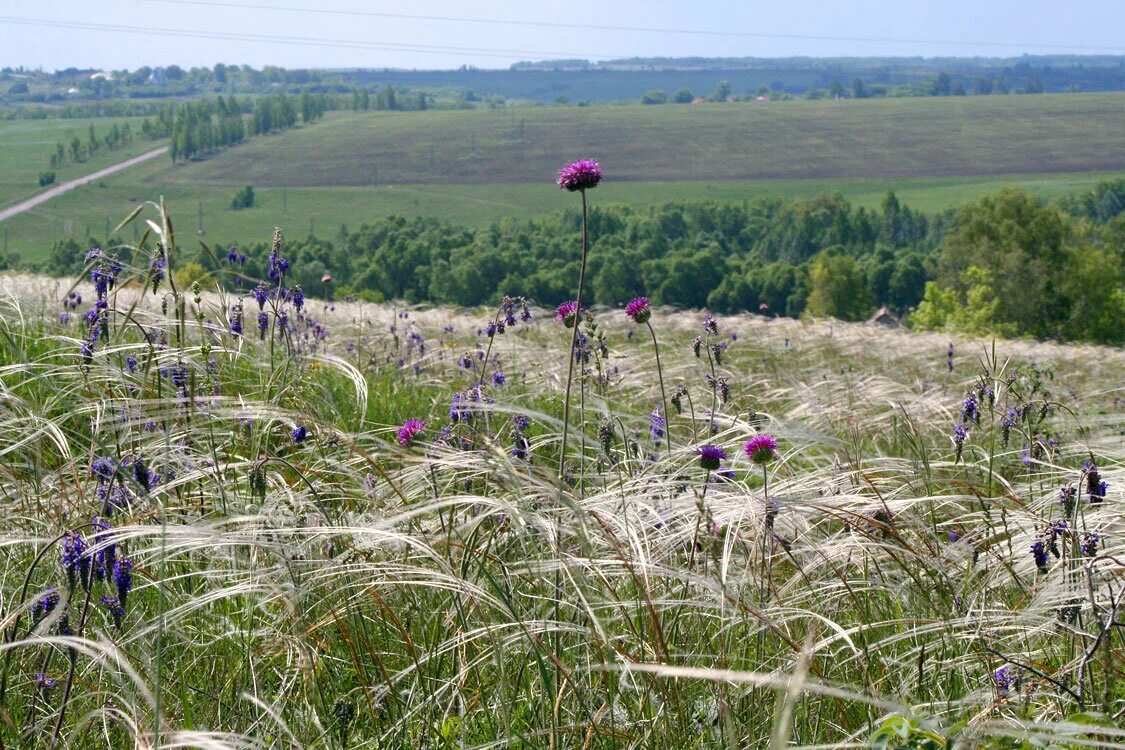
(574,337)
(663,395)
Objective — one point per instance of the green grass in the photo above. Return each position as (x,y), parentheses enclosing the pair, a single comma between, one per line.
(26,147)
(899,138)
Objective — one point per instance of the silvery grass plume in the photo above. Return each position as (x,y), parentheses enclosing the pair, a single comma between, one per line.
(398,578)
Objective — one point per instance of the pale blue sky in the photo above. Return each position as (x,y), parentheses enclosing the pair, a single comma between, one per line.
(184,31)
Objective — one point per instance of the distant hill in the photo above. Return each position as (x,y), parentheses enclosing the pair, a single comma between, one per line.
(731,141)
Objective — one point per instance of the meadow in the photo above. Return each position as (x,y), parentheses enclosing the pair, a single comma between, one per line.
(260,520)
(26,147)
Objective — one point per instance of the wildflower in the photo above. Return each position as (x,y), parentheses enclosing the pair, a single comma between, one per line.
(1039,552)
(261,293)
(1068,493)
(677,398)
(711,457)
(44,681)
(1003,678)
(466,361)
(409,430)
(297,295)
(605,434)
(76,559)
(232,255)
(123,579)
(761,449)
(567,313)
(103,468)
(498,378)
(115,609)
(1090,543)
(724,474)
(299,433)
(697,345)
(710,325)
(960,435)
(580,175)
(970,411)
(949,357)
(639,310)
(278,266)
(236,320)
(656,425)
(772,509)
(45,604)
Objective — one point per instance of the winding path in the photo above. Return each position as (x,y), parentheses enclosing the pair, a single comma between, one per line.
(46,195)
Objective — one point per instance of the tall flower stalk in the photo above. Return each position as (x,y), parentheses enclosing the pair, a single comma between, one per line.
(578,176)
(640,312)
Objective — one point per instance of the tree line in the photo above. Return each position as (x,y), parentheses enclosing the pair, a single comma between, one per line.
(1008,263)
(77,150)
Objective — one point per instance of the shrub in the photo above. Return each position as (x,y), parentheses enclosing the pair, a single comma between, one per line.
(46,178)
(244,198)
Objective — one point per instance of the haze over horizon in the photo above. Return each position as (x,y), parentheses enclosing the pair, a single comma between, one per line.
(442,34)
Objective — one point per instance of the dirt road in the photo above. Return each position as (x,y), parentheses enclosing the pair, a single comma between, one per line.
(30,203)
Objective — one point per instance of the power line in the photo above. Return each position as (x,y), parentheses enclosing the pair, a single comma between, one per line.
(304,41)
(640,29)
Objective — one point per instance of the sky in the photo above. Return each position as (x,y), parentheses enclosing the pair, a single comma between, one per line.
(443,34)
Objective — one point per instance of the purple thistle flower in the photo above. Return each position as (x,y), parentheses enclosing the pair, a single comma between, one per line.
(711,457)
(567,313)
(761,449)
(410,429)
(580,175)
(639,310)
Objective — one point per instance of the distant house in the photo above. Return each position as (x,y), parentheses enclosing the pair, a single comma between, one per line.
(762,99)
(101,75)
(697,100)
(72,91)
(884,317)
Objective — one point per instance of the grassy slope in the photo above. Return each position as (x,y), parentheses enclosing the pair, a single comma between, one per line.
(26,147)
(813,140)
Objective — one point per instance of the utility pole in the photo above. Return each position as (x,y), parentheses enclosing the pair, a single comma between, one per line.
(312,227)
(285,200)
(200,217)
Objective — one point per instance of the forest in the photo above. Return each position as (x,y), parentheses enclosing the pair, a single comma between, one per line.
(1009,263)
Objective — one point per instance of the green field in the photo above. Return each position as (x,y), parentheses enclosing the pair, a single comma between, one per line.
(26,147)
(472,167)
(897,138)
